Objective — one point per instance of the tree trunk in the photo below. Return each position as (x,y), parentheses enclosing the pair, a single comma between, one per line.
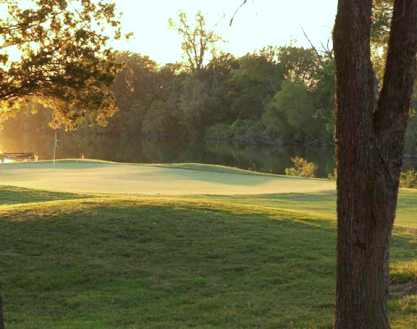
(1,310)
(369,147)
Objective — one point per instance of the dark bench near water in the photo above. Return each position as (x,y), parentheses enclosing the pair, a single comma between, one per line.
(25,156)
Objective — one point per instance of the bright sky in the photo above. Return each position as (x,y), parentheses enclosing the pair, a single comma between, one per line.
(259,23)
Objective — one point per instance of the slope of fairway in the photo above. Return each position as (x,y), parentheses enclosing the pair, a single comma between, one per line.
(187,179)
(321,204)
(175,262)
(251,251)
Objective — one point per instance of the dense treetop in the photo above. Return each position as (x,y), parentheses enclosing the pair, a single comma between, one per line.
(56,53)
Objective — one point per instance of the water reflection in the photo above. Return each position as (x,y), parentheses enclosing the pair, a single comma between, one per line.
(260,158)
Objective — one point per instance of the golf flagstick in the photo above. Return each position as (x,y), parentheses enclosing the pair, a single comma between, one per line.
(54,159)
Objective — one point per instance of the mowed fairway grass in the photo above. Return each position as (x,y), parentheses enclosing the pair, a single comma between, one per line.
(108,253)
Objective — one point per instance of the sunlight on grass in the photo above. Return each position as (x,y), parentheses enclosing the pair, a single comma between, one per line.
(78,176)
(106,261)
(403,272)
(163,263)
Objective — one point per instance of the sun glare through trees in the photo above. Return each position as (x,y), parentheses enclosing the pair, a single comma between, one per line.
(161,167)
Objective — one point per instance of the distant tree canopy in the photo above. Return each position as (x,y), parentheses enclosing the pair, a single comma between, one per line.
(274,95)
(263,97)
(55,52)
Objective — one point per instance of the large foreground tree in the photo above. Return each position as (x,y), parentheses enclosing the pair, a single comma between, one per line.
(56,52)
(369,149)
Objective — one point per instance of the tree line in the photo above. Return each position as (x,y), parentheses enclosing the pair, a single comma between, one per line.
(275,95)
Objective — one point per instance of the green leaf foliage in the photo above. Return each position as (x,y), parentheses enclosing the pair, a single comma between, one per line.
(290,113)
(302,168)
(56,53)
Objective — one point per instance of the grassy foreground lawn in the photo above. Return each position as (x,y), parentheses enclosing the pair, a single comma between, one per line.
(260,261)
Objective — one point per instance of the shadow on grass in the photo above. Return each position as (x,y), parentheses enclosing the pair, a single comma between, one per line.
(224,178)
(160,263)
(323,204)
(16,195)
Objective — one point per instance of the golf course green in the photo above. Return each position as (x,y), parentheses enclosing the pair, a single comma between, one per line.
(184,179)
(93,244)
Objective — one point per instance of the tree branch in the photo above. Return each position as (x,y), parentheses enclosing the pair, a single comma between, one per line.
(392,111)
(231,20)
(312,46)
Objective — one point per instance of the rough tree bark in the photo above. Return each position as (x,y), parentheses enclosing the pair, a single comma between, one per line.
(1,309)
(369,148)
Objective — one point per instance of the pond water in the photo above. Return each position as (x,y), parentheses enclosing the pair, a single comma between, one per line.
(260,157)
